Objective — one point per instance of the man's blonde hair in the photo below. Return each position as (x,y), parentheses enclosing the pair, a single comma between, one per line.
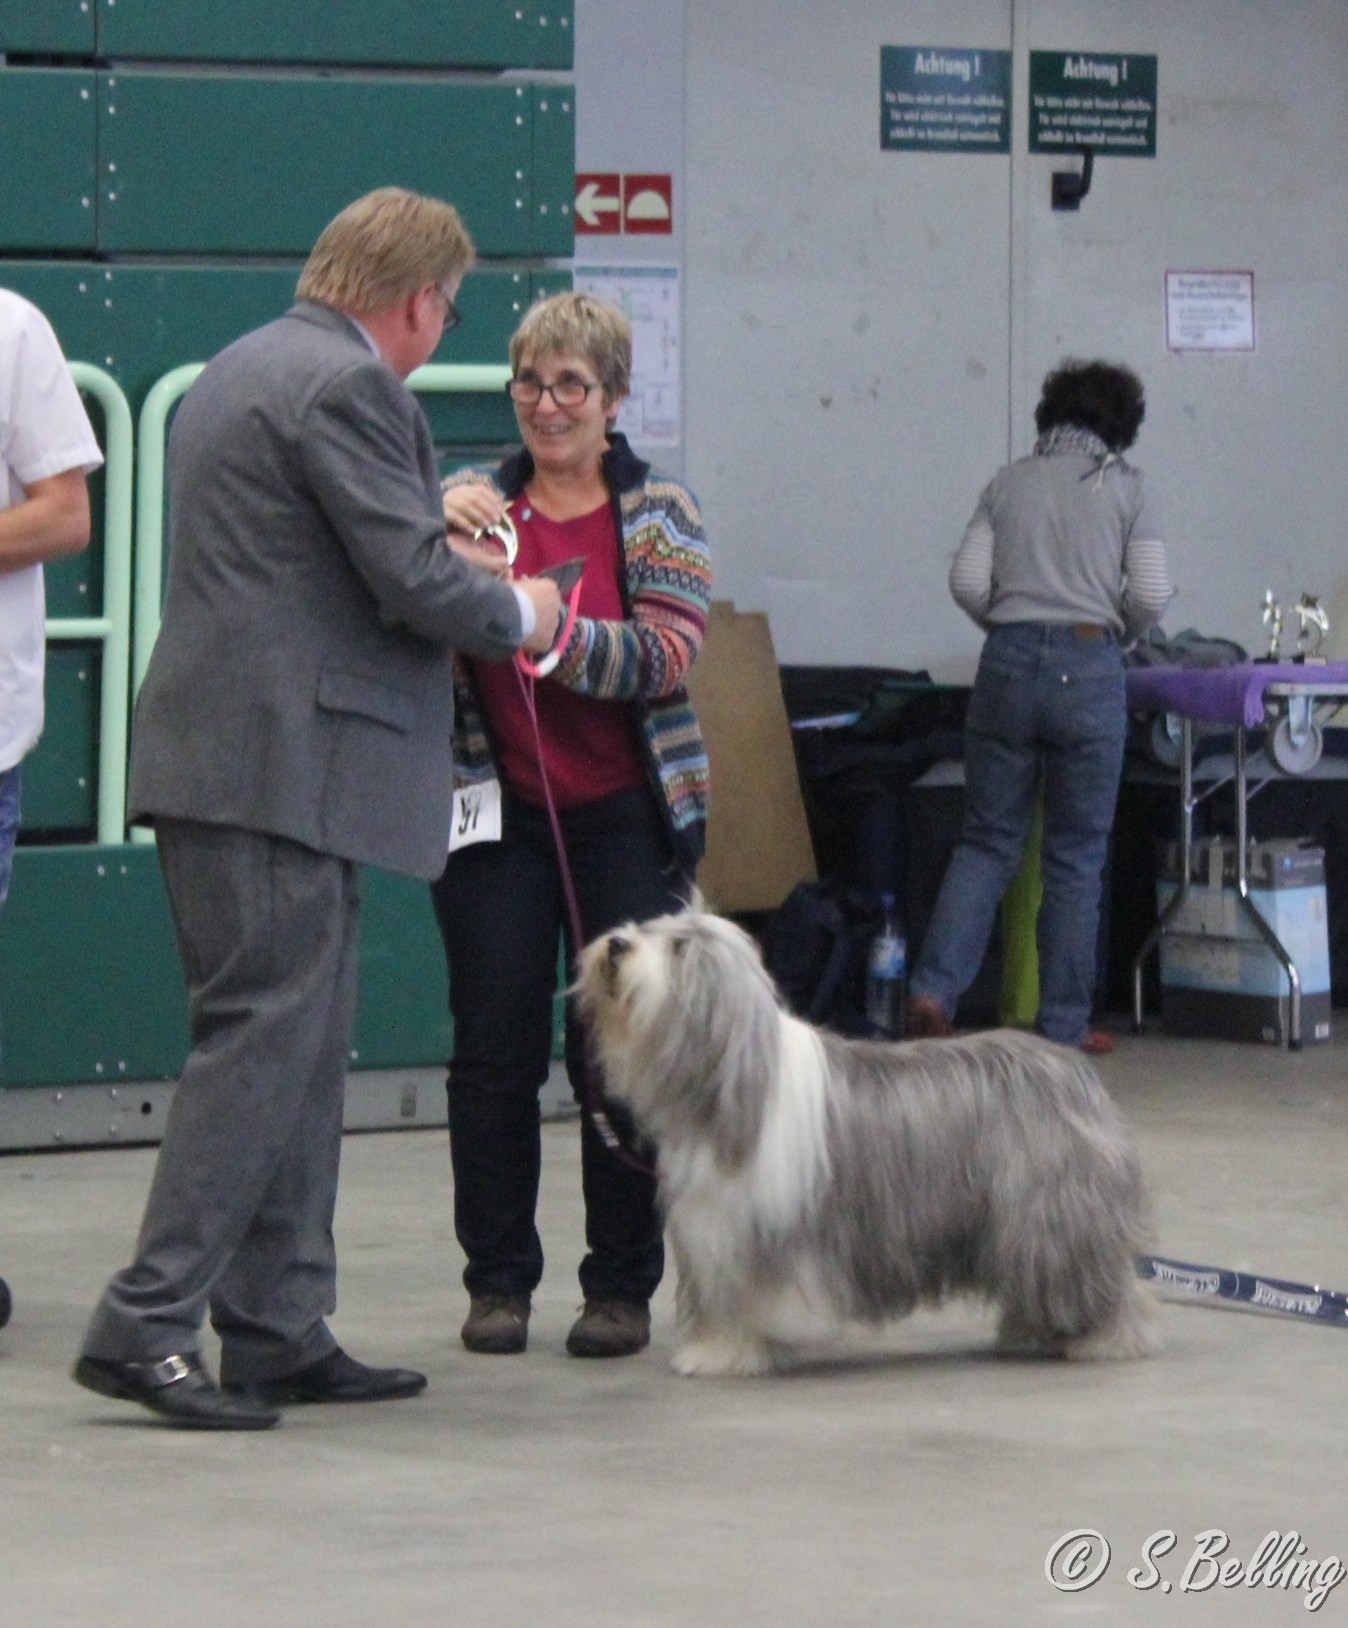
(574,324)
(383,247)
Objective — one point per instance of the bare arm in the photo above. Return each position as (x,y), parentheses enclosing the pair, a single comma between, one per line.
(51,521)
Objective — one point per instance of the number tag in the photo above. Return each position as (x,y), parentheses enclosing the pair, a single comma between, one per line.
(476,816)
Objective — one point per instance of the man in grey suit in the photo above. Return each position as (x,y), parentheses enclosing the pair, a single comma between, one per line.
(294,724)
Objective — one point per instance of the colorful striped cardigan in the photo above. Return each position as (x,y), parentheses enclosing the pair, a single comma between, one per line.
(644,659)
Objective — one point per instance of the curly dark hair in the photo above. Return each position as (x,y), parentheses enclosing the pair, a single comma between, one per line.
(1103,397)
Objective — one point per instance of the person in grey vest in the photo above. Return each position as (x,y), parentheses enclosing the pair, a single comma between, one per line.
(1062,562)
(294,724)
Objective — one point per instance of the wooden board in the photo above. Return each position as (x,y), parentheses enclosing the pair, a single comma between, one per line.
(758,842)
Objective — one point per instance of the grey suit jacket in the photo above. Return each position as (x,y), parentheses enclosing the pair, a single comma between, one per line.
(301,682)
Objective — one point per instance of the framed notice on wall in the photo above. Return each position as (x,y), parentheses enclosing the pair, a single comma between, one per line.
(653,411)
(1209,310)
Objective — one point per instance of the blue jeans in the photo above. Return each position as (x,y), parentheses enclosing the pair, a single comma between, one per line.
(1047,707)
(9,825)
(500,910)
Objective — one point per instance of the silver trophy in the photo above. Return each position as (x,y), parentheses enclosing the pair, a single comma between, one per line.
(1273,622)
(1313,625)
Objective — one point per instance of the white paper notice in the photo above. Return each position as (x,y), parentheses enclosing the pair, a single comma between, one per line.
(1209,310)
(653,413)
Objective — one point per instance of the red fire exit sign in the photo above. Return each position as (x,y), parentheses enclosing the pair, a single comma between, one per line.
(611,203)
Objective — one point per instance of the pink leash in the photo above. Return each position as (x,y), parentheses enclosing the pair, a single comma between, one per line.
(527,673)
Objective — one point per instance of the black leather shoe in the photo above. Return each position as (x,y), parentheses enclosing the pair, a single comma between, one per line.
(335,1378)
(179,1388)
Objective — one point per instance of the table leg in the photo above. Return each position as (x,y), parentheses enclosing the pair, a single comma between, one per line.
(1252,909)
(1187,804)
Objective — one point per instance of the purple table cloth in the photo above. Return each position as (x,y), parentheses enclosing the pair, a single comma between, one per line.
(1222,695)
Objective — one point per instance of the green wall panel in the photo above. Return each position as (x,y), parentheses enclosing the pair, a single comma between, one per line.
(140,321)
(89,983)
(61,27)
(402,1016)
(91,989)
(66,292)
(554,168)
(247,164)
(428,33)
(47,138)
(60,778)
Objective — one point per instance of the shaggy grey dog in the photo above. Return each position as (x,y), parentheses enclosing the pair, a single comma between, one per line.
(809,1180)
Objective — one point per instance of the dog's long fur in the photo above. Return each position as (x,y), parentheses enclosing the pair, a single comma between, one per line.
(809,1180)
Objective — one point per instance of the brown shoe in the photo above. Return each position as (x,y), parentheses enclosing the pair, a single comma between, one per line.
(610,1328)
(926,1021)
(497,1324)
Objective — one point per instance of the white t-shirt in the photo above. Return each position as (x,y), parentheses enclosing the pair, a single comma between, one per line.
(44,431)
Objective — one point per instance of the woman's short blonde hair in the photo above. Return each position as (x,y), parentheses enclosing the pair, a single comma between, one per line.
(574,324)
(383,247)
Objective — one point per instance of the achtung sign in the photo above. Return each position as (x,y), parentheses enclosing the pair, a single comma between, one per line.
(944,99)
(1101,100)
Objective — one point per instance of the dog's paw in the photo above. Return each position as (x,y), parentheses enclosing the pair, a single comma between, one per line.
(707,1355)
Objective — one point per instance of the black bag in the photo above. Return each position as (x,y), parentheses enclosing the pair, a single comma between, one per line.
(816,946)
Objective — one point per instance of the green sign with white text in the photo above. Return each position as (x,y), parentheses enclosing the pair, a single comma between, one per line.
(944,99)
(1097,99)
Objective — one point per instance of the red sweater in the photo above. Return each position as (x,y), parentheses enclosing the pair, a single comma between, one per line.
(590,746)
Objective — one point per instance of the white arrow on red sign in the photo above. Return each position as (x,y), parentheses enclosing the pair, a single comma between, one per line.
(598,196)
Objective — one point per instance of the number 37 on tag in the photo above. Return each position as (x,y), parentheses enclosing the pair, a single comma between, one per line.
(476,816)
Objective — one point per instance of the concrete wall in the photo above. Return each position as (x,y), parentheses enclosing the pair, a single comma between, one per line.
(865,331)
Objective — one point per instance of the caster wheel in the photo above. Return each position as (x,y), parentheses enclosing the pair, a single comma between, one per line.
(1164,741)
(1294,756)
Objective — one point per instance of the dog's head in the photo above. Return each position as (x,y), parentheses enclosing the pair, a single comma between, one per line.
(686,1025)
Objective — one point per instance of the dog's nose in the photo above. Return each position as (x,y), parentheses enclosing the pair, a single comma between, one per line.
(618,946)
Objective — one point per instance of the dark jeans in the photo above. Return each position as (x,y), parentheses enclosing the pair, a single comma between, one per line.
(501,911)
(1048,708)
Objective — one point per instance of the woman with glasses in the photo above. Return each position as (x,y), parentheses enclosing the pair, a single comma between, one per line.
(609,738)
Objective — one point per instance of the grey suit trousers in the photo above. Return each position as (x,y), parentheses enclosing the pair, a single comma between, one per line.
(239,1216)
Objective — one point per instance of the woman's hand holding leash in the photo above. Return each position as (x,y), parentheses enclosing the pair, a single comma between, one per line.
(547,603)
(566,578)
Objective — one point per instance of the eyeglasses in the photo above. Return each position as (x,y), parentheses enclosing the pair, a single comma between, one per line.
(568,391)
(451,318)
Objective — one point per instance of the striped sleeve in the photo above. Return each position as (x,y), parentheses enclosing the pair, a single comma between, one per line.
(1147,585)
(669,584)
(971,569)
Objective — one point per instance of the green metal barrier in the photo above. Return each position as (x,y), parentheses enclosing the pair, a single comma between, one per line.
(152,437)
(151,441)
(113,627)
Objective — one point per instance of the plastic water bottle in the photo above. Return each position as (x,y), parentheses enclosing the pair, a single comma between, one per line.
(887,976)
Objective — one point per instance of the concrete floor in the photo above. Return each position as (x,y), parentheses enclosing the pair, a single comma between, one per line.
(921,1482)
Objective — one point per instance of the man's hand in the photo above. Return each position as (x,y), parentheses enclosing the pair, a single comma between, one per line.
(486,556)
(547,603)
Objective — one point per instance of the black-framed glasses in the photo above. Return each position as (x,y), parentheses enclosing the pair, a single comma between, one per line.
(451,318)
(568,391)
